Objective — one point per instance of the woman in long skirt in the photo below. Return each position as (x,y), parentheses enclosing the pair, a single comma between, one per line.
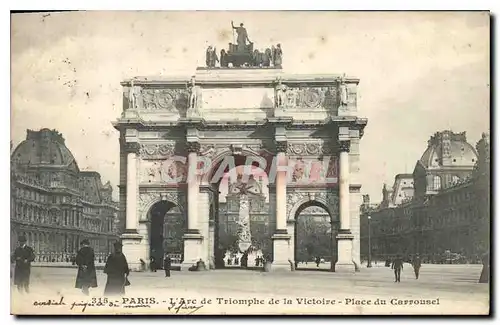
(117,270)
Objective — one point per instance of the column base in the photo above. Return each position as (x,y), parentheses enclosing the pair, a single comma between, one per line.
(192,249)
(345,268)
(133,251)
(344,263)
(281,248)
(282,267)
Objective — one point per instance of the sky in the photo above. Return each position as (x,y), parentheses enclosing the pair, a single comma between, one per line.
(420,72)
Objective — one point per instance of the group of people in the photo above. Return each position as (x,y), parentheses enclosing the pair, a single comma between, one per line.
(396,264)
(167,264)
(116,268)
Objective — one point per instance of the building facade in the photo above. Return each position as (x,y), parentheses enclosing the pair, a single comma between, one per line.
(54,204)
(449,212)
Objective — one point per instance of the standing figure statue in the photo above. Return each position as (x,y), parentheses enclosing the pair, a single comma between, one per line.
(267,57)
(343,93)
(223,59)
(211,57)
(132,96)
(279,98)
(193,98)
(278,56)
(242,37)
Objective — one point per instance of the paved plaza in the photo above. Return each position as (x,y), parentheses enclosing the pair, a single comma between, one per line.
(455,286)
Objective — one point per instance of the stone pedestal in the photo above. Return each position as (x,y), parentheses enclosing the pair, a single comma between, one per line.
(344,245)
(193,244)
(133,250)
(281,253)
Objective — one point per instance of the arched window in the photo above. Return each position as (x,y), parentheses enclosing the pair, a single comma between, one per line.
(437,183)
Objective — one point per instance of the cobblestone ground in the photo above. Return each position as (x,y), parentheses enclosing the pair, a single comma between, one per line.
(455,286)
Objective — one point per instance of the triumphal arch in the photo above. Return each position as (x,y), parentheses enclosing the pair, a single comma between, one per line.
(178,136)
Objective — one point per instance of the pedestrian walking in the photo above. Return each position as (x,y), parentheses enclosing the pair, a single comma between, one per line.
(167,264)
(86,277)
(417,263)
(117,271)
(152,261)
(397,266)
(23,256)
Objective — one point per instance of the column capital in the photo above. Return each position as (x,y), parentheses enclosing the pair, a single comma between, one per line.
(281,146)
(344,145)
(193,147)
(131,147)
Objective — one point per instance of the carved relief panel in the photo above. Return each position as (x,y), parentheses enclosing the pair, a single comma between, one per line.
(163,171)
(165,99)
(153,151)
(311,98)
(141,98)
(312,163)
(309,149)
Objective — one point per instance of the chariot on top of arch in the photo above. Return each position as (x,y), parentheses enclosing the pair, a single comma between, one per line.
(241,53)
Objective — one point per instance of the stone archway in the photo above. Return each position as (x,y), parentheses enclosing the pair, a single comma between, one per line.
(156,230)
(314,229)
(231,165)
(299,199)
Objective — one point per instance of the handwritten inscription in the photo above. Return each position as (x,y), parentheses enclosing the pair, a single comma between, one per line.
(186,305)
(50,302)
(175,305)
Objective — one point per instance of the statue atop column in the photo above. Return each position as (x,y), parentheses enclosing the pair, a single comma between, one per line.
(342,93)
(193,106)
(279,94)
(132,95)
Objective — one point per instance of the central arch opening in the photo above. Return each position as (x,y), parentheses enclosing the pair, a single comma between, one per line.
(242,232)
(166,228)
(315,237)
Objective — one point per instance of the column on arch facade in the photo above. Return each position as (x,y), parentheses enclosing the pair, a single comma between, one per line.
(281,238)
(130,239)
(344,236)
(193,239)
(132,188)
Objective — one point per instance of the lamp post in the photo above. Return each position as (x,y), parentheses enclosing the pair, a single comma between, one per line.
(369,243)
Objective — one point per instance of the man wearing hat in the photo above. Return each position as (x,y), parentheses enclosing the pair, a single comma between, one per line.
(23,256)
(86,277)
(117,270)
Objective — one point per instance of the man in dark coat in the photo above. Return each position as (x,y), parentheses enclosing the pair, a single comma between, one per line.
(117,270)
(167,264)
(417,263)
(86,277)
(23,256)
(397,265)
(152,261)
